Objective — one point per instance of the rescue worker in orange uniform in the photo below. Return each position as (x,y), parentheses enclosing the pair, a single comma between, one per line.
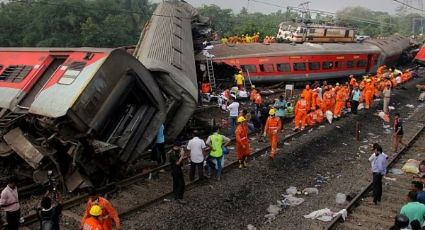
(327,100)
(272,129)
(368,93)
(109,214)
(319,116)
(258,102)
(253,93)
(316,101)
(308,95)
(340,102)
(93,222)
(300,113)
(242,142)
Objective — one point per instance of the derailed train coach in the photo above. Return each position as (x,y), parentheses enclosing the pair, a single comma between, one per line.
(166,48)
(84,113)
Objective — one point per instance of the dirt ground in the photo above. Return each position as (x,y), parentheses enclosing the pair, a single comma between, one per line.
(328,158)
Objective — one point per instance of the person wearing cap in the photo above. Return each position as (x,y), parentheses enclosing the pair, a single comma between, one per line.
(368,93)
(253,94)
(280,106)
(9,203)
(355,98)
(239,79)
(108,215)
(93,220)
(386,94)
(272,129)
(308,94)
(300,113)
(242,142)
(177,158)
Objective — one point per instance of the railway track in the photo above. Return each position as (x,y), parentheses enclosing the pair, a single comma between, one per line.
(362,214)
(145,192)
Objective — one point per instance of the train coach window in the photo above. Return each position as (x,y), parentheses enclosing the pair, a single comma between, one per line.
(339,64)
(249,68)
(266,68)
(327,65)
(299,66)
(284,67)
(351,64)
(361,63)
(314,65)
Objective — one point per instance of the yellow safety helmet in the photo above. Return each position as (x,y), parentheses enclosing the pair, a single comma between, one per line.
(95,210)
(241,119)
(252,86)
(272,112)
(337,84)
(368,80)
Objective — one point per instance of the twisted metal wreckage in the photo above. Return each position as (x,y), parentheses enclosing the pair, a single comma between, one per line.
(89,113)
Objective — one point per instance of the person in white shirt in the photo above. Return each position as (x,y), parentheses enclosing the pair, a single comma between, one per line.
(9,202)
(196,146)
(233,109)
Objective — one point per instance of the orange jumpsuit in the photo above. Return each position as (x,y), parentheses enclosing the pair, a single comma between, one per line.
(272,128)
(300,113)
(340,102)
(308,95)
(327,101)
(311,118)
(258,100)
(242,141)
(92,223)
(109,213)
(315,101)
(319,116)
(253,95)
(368,93)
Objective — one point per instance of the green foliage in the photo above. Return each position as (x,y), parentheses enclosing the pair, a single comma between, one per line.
(73,23)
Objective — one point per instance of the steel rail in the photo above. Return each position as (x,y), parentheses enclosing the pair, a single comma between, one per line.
(350,206)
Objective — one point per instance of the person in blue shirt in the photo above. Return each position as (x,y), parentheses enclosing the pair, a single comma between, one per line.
(379,168)
(158,150)
(355,98)
(280,106)
(418,187)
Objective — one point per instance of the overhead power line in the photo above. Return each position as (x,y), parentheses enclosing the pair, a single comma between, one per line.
(326,13)
(410,6)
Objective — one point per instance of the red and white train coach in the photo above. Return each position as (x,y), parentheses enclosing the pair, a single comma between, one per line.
(310,61)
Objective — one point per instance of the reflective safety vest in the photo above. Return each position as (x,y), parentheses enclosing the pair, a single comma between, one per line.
(217,145)
(289,111)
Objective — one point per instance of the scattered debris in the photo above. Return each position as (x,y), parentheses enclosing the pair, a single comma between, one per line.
(384,116)
(391,107)
(338,127)
(308,191)
(396,171)
(291,190)
(344,144)
(251,227)
(273,209)
(411,166)
(390,178)
(410,106)
(421,97)
(326,214)
(291,200)
(286,143)
(340,198)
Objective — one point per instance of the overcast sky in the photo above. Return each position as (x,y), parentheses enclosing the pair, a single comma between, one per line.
(326,5)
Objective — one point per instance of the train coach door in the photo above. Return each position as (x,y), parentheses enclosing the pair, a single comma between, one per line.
(370,58)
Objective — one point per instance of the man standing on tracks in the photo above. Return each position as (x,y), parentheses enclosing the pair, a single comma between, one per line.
(108,212)
(242,142)
(398,132)
(308,94)
(9,203)
(233,109)
(300,113)
(216,142)
(239,79)
(379,168)
(272,129)
(196,146)
(158,148)
(280,106)
(177,156)
(355,98)
(386,94)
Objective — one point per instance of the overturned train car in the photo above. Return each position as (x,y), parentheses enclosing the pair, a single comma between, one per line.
(83,112)
(166,48)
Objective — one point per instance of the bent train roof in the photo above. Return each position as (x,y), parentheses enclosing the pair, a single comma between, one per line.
(223,51)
